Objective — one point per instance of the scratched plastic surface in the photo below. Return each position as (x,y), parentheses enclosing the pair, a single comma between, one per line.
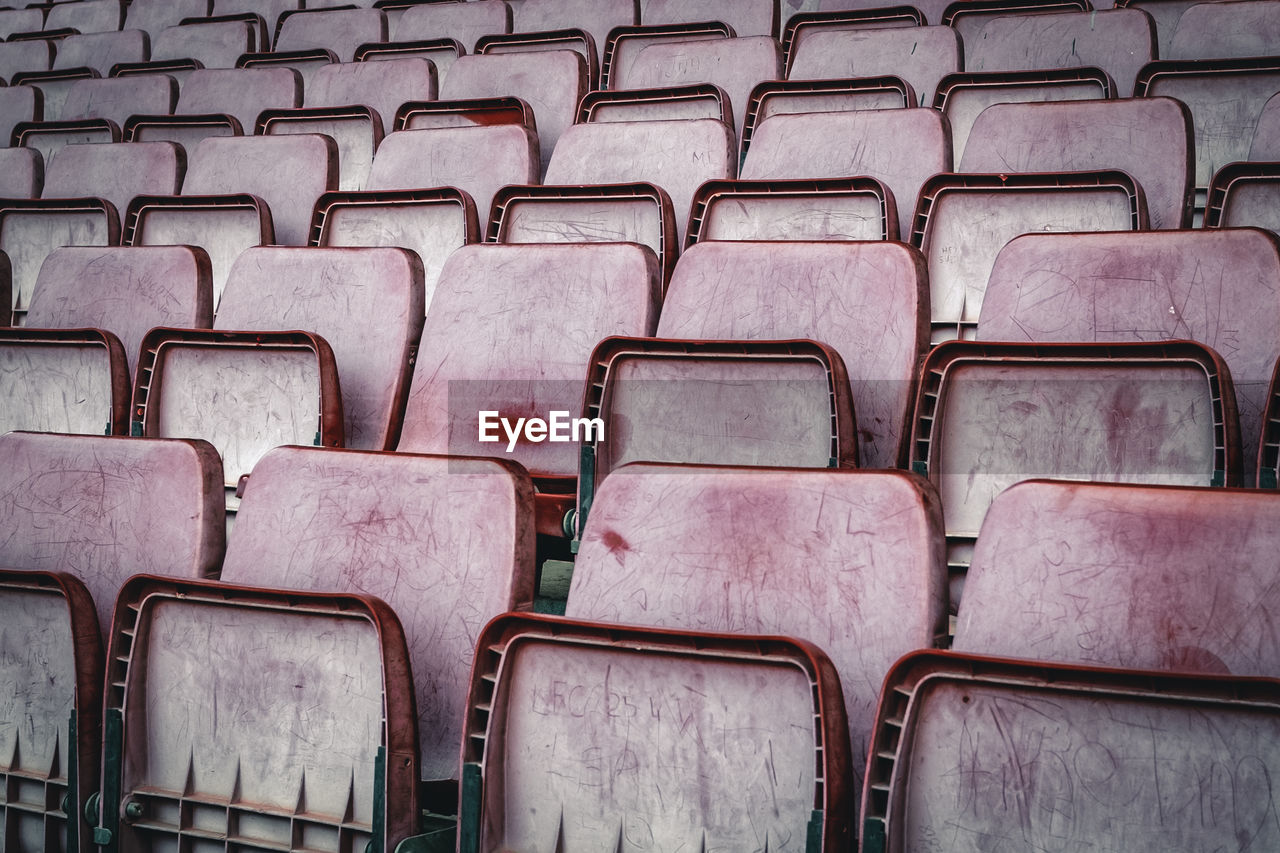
(865,300)
(367,305)
(447,542)
(465,22)
(1208,31)
(999,423)
(21,171)
(786,103)
(431,230)
(1129,576)
(223,232)
(17,103)
(747,17)
(1218,287)
(116,172)
(29,236)
(288,172)
(968,226)
(34,55)
(125,290)
(382,85)
(21,21)
(153,16)
(1266,136)
(1253,202)
(55,388)
(477,159)
(104,508)
(676,155)
(285,760)
(213,44)
(338,30)
(241,92)
(627,46)
(1225,107)
(583,220)
(37,677)
(118,98)
(851,561)
(730,411)
(596,17)
(522,351)
(965,103)
(46,141)
(552,82)
(89,16)
(1150,138)
(607,749)
(902,148)
(242,401)
(662,108)
(1119,41)
(355,136)
(1001,768)
(100,51)
(794,216)
(919,55)
(735,65)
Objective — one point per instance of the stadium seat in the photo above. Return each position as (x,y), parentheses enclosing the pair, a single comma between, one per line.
(220,102)
(1108,759)
(990,415)
(902,148)
(850,561)
(24,56)
(1165,14)
(962,221)
(577,40)
(551,82)
(969,17)
(1141,577)
(95,109)
(464,22)
(867,301)
(18,104)
(384,86)
(322,756)
(12,20)
(86,16)
(1208,31)
(645,705)
(920,55)
(270,10)
(100,51)
(1150,138)
(1119,41)
(963,96)
(749,18)
(213,44)
(21,172)
(778,97)
(596,17)
(697,100)
(1214,286)
(310,39)
(154,16)
(827,209)
(447,542)
(677,156)
(619,51)
(1244,194)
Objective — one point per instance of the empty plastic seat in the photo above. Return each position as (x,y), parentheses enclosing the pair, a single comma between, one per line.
(464,22)
(122,506)
(321,759)
(850,561)
(154,16)
(309,39)
(804,18)
(1213,31)
(25,56)
(829,209)
(85,187)
(86,16)
(551,82)
(1054,561)
(356,131)
(993,414)
(100,51)
(442,52)
(774,702)
(429,222)
(746,17)
(20,21)
(1150,138)
(216,44)
(677,156)
(1120,41)
(902,148)
(522,351)
(776,403)
(21,172)
(920,55)
(270,10)
(698,100)
(53,669)
(221,102)
(365,304)
(624,44)
(1215,286)
(447,542)
(1100,751)
(603,213)
(381,85)
(95,109)
(1266,136)
(963,221)
(53,86)
(779,97)
(18,104)
(963,96)
(735,64)
(968,17)
(577,40)
(596,17)
(478,160)
(1225,97)
(864,300)
(1165,14)
(1243,194)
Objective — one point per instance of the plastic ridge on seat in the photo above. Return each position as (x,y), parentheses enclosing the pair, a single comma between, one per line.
(802,21)
(920,55)
(779,97)
(64,380)
(624,43)
(420,115)
(577,40)
(823,209)
(464,22)
(700,100)
(1243,194)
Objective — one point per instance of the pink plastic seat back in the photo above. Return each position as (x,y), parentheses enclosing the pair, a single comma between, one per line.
(920,55)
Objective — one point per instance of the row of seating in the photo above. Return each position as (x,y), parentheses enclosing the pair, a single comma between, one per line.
(568,729)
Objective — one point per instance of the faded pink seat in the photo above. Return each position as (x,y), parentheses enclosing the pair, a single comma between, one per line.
(746,17)
(464,22)
(920,55)
(1210,31)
